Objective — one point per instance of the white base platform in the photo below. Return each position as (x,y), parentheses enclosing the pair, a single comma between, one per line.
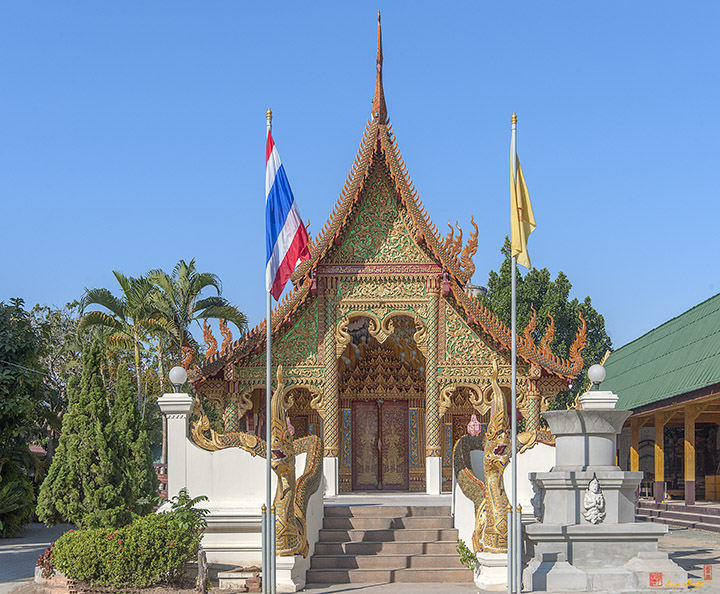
(491,571)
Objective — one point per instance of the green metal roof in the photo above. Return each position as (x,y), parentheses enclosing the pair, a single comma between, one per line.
(678,357)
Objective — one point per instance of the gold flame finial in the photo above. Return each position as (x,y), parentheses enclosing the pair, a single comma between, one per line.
(514,118)
(268,115)
(379,108)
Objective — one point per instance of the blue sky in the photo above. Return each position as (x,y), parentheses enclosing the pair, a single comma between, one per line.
(132,135)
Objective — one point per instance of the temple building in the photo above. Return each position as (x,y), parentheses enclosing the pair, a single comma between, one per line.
(386,350)
(670,379)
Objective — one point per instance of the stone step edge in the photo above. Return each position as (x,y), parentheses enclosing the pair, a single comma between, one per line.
(391,509)
(382,529)
(354,543)
(678,515)
(390,555)
(335,542)
(376,570)
(681,523)
(701,509)
(386,516)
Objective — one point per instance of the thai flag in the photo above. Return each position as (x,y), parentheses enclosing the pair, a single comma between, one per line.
(286,237)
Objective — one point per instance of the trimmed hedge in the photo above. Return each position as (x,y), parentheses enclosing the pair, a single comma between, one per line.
(153,549)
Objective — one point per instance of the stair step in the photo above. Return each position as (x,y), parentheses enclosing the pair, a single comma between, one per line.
(385,511)
(386,562)
(703,510)
(371,523)
(386,548)
(405,534)
(384,576)
(690,516)
(375,544)
(670,521)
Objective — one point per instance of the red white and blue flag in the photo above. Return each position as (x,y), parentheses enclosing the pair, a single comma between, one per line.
(286,237)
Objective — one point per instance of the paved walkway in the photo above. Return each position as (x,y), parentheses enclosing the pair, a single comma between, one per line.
(18,555)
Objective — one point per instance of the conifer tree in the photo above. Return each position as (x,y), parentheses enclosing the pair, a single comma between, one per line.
(133,448)
(85,482)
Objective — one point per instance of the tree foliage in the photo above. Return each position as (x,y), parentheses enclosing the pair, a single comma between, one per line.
(128,319)
(60,359)
(133,447)
(21,398)
(92,478)
(179,300)
(152,316)
(549,298)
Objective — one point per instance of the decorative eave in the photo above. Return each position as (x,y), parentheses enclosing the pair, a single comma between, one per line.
(252,344)
(477,315)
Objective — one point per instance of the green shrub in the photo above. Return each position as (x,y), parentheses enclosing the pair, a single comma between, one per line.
(153,549)
(467,557)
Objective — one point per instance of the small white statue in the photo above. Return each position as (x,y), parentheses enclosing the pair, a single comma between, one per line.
(594,502)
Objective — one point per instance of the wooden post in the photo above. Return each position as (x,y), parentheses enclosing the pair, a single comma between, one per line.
(690,416)
(660,420)
(635,445)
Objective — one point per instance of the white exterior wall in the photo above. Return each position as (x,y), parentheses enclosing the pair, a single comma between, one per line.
(233,480)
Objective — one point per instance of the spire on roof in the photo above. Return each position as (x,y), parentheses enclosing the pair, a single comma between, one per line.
(379,110)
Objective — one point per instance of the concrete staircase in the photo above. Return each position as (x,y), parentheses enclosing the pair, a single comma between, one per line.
(702,517)
(387,543)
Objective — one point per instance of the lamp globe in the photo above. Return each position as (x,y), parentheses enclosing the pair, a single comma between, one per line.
(178,376)
(596,373)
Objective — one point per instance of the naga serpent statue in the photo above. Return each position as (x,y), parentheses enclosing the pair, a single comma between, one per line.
(489,496)
(292,495)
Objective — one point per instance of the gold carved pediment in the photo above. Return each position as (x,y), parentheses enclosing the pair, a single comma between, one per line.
(381,229)
(462,345)
(375,289)
(381,327)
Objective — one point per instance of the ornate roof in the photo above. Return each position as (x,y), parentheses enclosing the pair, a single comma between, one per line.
(379,143)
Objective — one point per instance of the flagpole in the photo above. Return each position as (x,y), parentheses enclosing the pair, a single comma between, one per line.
(514,544)
(268,580)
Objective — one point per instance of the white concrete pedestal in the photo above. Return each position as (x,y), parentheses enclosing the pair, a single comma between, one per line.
(330,476)
(433,475)
(491,571)
(290,573)
(177,409)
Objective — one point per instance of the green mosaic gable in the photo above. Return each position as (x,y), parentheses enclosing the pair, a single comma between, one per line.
(380,231)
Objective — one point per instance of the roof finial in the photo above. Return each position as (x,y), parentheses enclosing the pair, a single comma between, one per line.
(379,108)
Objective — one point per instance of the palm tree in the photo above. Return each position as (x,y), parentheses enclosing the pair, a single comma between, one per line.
(178,300)
(128,318)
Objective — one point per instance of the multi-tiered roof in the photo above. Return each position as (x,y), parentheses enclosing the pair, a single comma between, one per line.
(379,145)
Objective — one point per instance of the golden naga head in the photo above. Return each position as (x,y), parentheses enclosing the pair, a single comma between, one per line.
(497,437)
(281,441)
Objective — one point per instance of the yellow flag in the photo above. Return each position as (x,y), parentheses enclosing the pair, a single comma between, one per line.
(522,220)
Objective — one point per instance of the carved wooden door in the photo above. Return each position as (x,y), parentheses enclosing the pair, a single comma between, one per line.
(380,456)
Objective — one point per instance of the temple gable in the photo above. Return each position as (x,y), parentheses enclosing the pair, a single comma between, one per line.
(381,230)
(298,347)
